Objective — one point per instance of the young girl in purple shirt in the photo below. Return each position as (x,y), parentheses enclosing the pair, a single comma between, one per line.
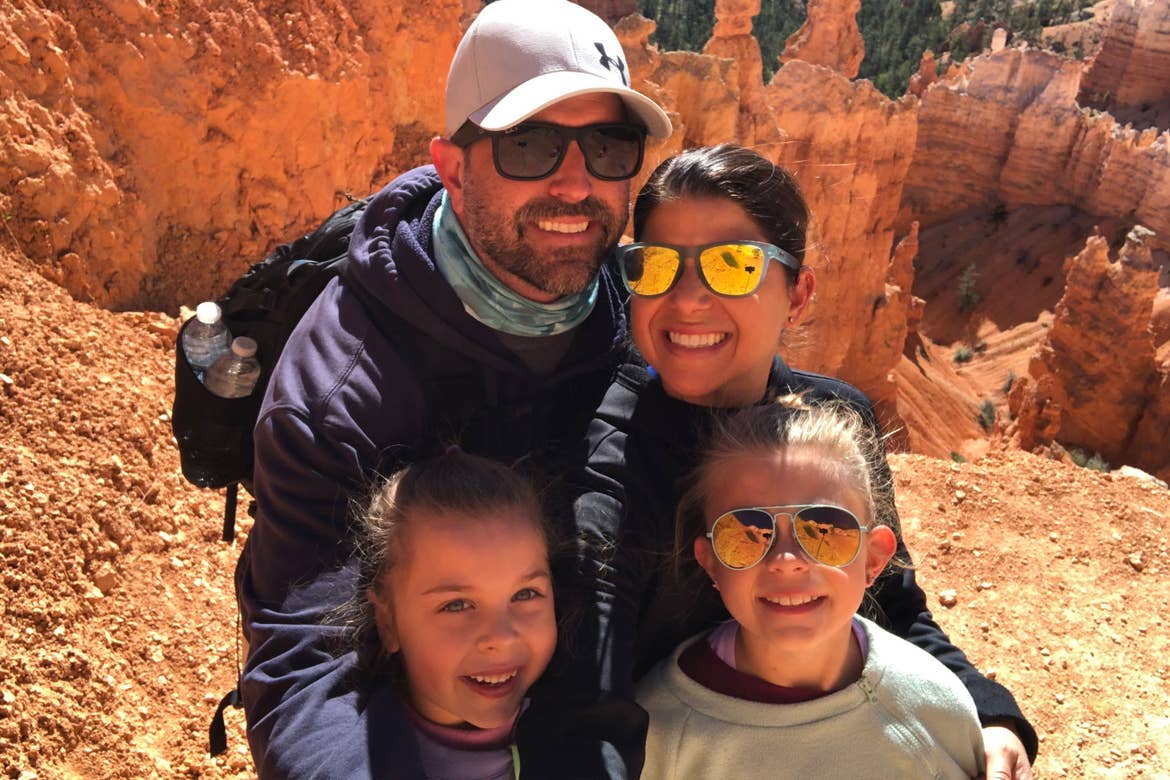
(457,588)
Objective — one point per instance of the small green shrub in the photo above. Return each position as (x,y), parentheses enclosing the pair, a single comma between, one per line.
(963,353)
(999,214)
(969,296)
(1008,382)
(957,458)
(1097,463)
(986,416)
(1089,460)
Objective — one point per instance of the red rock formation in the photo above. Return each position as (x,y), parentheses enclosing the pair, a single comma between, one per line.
(1094,383)
(829,37)
(1132,66)
(610,10)
(703,91)
(149,152)
(926,75)
(851,170)
(732,38)
(634,33)
(1008,129)
(940,413)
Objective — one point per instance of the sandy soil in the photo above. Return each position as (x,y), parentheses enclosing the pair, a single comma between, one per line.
(118,630)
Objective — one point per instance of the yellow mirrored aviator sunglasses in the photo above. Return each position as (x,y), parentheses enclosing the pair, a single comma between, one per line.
(730,268)
(828,534)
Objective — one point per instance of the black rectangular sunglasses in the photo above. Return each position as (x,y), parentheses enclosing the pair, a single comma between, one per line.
(534,150)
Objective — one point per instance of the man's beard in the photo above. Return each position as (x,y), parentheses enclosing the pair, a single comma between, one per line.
(560,272)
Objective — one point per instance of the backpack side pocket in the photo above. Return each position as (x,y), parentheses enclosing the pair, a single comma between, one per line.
(214,434)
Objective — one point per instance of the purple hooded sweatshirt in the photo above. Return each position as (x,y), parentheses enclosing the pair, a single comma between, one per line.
(340,400)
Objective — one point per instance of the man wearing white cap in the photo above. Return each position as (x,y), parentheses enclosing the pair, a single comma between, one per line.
(505,336)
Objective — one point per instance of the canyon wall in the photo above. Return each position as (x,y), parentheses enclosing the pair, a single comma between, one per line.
(1132,67)
(147,153)
(1006,128)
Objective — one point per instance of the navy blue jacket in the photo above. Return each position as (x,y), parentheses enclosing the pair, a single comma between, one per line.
(342,401)
(633,605)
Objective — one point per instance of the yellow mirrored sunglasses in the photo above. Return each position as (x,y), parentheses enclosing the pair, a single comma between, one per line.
(730,268)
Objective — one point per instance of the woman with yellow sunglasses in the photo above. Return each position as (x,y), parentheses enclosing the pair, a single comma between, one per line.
(717,277)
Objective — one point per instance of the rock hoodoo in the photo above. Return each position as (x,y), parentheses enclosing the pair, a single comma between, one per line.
(1094,383)
(829,37)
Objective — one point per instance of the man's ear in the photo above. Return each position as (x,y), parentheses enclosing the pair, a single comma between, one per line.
(449,162)
(384,617)
(880,544)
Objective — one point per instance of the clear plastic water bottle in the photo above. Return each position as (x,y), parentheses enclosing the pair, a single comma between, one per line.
(234,375)
(207,338)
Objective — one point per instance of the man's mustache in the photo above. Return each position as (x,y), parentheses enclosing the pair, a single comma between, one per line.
(591,208)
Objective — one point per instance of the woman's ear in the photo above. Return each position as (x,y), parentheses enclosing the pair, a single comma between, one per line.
(801,294)
(449,163)
(880,544)
(384,618)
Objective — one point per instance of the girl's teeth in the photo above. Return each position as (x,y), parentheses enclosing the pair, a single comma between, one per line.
(695,339)
(563,227)
(789,601)
(493,679)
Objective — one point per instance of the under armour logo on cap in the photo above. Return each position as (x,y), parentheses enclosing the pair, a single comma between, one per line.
(617,63)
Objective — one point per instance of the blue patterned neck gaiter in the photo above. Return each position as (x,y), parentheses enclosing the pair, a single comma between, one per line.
(491,301)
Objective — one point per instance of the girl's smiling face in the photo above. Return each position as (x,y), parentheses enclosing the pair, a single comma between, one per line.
(711,350)
(469,604)
(794,614)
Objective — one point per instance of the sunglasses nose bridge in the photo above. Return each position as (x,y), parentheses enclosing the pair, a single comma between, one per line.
(571,173)
(785,546)
(689,279)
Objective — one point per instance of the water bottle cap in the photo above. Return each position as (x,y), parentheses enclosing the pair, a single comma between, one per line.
(208,312)
(244,346)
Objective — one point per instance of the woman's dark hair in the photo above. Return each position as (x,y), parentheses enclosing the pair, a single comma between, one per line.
(766,191)
(454,483)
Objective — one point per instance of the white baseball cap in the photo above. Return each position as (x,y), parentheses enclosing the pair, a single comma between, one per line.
(521,56)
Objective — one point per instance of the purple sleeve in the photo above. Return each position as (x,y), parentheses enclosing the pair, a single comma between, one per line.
(307,717)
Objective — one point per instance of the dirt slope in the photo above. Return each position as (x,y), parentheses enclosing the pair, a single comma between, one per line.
(117,631)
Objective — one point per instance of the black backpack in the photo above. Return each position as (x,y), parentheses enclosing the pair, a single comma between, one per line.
(214,434)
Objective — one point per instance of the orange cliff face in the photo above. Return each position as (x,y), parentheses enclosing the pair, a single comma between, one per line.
(1007,129)
(148,155)
(1130,74)
(850,148)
